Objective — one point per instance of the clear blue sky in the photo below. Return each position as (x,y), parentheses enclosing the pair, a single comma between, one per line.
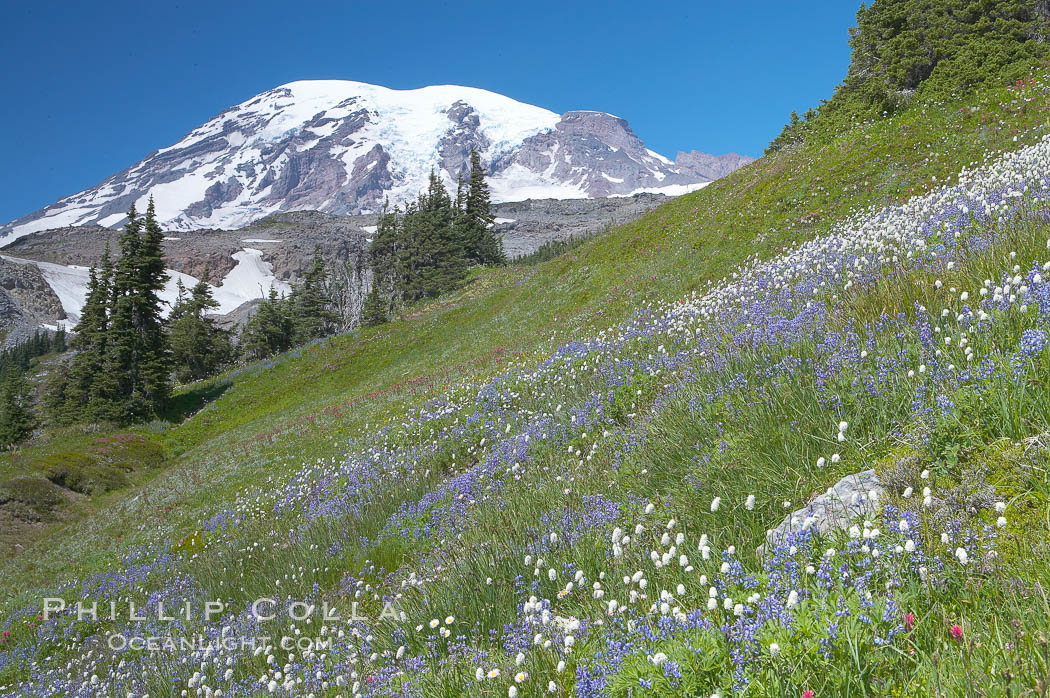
(90,88)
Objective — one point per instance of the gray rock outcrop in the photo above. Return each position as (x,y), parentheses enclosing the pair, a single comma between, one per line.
(852,496)
(26,301)
(711,166)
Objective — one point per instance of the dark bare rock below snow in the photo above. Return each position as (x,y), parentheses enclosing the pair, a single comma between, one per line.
(26,301)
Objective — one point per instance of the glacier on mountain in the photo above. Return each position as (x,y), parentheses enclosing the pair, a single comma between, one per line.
(345,147)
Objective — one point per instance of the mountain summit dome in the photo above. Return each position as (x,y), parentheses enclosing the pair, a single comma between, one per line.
(344,147)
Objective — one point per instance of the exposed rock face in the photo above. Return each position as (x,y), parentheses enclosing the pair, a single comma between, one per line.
(599,154)
(852,496)
(26,285)
(464,134)
(26,301)
(13,321)
(524,226)
(344,147)
(79,245)
(711,166)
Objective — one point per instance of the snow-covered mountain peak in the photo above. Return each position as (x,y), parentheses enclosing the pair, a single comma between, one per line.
(341,146)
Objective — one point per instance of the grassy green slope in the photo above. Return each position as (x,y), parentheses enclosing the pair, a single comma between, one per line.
(306,406)
(332,389)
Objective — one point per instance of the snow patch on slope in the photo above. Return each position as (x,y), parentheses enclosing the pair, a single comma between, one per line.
(518,183)
(251,278)
(669,190)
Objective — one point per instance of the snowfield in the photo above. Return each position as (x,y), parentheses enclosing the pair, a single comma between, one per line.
(251,278)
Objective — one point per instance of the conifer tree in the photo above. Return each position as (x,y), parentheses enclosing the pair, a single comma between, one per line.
(199,347)
(178,309)
(137,355)
(16,417)
(383,255)
(56,402)
(373,310)
(73,394)
(154,370)
(271,330)
(122,348)
(430,259)
(309,304)
(480,242)
(123,365)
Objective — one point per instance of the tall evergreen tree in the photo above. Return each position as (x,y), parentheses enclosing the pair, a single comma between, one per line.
(373,310)
(178,309)
(83,389)
(271,330)
(154,370)
(430,257)
(16,417)
(122,368)
(383,257)
(199,346)
(480,242)
(122,348)
(310,306)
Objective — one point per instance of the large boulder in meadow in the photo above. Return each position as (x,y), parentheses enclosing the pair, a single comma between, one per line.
(852,496)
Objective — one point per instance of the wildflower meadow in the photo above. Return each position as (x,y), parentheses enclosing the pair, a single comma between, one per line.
(595,513)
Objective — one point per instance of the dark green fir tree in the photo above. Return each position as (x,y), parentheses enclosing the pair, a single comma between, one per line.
(199,347)
(373,310)
(270,330)
(310,305)
(480,242)
(16,415)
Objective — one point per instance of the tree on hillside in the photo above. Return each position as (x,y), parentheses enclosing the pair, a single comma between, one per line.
(309,303)
(373,310)
(122,368)
(481,244)
(271,330)
(199,347)
(155,363)
(383,254)
(424,250)
(73,393)
(16,418)
(137,353)
(20,356)
(430,258)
